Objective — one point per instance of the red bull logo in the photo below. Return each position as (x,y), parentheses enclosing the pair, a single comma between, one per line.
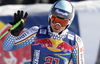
(54,45)
(44,42)
(65,47)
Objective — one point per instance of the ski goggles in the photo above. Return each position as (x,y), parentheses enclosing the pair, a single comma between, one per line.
(55,20)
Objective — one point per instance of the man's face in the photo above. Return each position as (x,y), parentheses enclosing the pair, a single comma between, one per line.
(58,24)
(56,27)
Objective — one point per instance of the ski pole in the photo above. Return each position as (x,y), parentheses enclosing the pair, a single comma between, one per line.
(13,27)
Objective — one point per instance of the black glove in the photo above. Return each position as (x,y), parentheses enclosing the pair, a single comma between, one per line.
(17,17)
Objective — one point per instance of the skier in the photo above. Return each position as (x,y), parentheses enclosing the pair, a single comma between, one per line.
(52,44)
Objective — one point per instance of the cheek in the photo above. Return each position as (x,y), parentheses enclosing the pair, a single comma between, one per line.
(51,24)
(63,28)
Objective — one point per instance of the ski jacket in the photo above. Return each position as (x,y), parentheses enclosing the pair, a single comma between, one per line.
(48,47)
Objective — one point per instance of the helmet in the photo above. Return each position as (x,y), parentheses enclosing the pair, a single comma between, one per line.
(62,9)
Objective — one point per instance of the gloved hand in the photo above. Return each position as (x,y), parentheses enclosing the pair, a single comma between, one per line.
(17,17)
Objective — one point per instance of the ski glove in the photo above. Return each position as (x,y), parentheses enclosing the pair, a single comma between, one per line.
(17,17)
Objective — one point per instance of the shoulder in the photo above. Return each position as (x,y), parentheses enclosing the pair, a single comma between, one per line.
(71,35)
(40,30)
(79,43)
(79,40)
(32,30)
(43,28)
(76,38)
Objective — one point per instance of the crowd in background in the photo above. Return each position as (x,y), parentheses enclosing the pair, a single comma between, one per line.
(5,2)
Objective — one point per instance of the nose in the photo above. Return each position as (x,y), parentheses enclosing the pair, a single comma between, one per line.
(58,24)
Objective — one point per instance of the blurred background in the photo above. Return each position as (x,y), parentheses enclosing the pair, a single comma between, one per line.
(86,24)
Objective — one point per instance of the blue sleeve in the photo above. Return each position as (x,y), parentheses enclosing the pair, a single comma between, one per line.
(12,43)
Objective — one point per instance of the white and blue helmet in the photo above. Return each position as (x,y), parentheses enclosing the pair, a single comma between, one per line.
(62,9)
